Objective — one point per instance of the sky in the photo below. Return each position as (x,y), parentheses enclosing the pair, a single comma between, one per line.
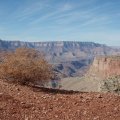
(61,20)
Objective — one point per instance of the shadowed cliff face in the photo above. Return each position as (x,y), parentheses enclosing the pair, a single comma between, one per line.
(73,68)
(105,67)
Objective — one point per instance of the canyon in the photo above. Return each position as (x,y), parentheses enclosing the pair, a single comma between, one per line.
(101,71)
(72,58)
(81,66)
(87,70)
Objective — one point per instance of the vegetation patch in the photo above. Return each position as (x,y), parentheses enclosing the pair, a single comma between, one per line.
(25,66)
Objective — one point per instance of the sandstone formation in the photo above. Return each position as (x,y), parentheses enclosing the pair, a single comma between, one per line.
(101,69)
(105,67)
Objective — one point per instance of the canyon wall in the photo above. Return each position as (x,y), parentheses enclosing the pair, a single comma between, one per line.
(105,67)
(60,51)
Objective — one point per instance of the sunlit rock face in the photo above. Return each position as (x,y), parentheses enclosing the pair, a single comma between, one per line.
(105,67)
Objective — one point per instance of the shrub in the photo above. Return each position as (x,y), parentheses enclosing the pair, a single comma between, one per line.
(111,85)
(25,66)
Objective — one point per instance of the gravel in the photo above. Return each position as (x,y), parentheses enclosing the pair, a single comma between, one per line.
(24,103)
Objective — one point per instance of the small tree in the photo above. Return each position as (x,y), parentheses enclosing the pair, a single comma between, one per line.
(25,66)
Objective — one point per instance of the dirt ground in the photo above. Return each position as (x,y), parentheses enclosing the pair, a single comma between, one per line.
(24,103)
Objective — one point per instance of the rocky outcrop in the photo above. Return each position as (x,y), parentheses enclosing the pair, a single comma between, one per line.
(105,72)
(100,77)
(105,67)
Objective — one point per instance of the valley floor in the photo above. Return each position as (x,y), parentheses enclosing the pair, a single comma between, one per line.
(23,103)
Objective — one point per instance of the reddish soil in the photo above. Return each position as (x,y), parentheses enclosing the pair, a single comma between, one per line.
(23,103)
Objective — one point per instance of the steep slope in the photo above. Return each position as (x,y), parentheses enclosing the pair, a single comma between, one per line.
(22,103)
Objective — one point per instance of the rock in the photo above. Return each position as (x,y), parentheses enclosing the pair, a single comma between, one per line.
(85,112)
(96,118)
(99,96)
(1,93)
(22,102)
(115,108)
(17,89)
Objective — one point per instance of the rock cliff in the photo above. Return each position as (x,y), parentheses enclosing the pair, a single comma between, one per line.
(103,75)
(105,67)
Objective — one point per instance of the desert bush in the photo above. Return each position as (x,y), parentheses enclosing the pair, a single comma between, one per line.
(25,66)
(111,84)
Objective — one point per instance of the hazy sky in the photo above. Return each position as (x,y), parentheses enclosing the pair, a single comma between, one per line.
(61,20)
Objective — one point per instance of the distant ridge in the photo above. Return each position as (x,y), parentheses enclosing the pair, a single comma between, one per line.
(63,50)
